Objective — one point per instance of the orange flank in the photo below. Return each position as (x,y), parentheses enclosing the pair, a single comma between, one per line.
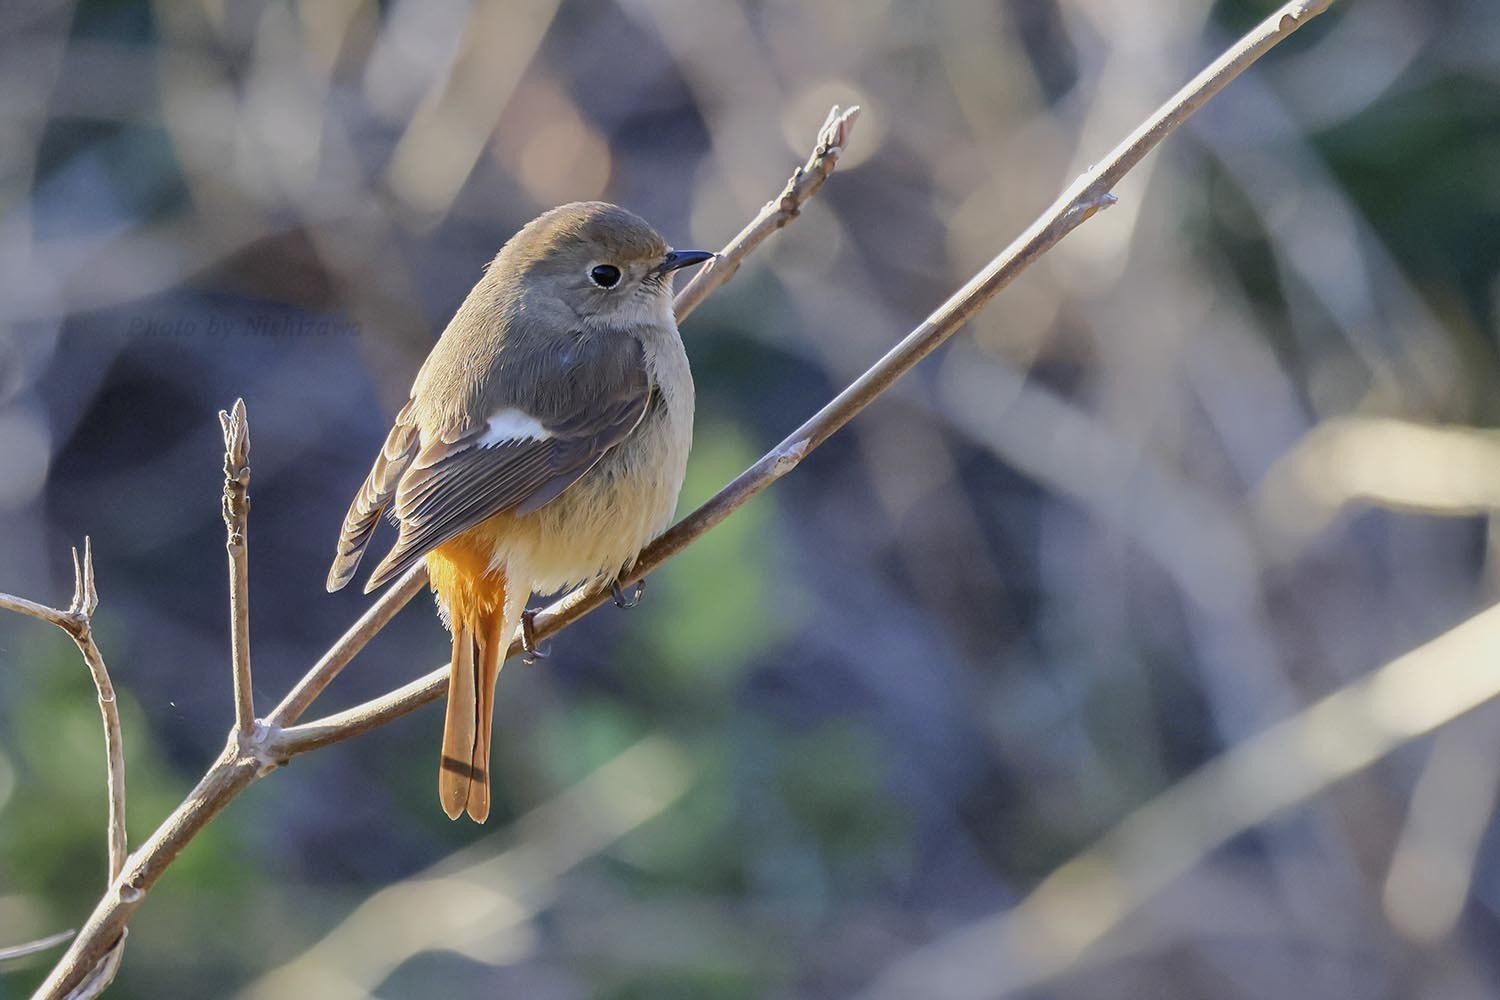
(459,571)
(473,597)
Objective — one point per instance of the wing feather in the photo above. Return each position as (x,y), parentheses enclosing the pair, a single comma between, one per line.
(379,486)
(451,487)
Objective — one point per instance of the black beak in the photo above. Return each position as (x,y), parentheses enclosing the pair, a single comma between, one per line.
(683,258)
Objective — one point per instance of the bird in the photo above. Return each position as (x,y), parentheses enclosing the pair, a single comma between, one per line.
(543,444)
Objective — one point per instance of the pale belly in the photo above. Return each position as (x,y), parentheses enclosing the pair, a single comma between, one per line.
(600,524)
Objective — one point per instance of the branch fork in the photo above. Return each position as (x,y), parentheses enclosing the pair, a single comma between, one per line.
(78,622)
(256,747)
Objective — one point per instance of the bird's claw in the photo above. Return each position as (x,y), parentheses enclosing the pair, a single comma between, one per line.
(636,593)
(530,650)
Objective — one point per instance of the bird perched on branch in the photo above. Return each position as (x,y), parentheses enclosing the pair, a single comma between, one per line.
(544,444)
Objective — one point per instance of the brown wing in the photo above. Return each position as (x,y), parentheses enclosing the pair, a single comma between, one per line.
(450,487)
(379,486)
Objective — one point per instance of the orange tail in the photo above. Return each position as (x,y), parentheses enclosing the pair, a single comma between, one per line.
(476,605)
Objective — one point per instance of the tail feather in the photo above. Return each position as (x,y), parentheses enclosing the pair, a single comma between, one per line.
(478,610)
(493,643)
(395,456)
(456,772)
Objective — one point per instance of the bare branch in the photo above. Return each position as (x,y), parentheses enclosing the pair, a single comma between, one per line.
(237,769)
(231,774)
(1078,203)
(833,139)
(361,718)
(38,611)
(322,673)
(418,914)
(248,756)
(1272,771)
(77,621)
(236,517)
(85,601)
(99,978)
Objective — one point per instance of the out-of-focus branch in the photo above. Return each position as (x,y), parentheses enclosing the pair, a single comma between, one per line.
(833,139)
(16,952)
(1087,195)
(238,768)
(1435,859)
(1444,471)
(236,517)
(1281,767)
(251,753)
(482,899)
(78,622)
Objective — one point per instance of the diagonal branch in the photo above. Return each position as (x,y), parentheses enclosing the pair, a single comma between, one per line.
(1087,195)
(421,914)
(251,753)
(240,765)
(16,952)
(833,139)
(236,517)
(1099,890)
(322,673)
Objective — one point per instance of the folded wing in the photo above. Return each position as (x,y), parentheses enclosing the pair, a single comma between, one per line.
(451,487)
(380,485)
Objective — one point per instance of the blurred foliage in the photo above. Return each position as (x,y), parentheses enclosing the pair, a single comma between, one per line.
(1030,590)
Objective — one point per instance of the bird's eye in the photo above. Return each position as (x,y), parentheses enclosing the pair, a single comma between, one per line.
(605,275)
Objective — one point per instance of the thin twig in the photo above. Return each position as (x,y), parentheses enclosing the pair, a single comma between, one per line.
(322,673)
(351,722)
(1087,195)
(41,612)
(833,139)
(85,601)
(247,757)
(236,517)
(78,622)
(16,952)
(1100,889)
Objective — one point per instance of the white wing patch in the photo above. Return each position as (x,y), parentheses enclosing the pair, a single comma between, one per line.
(512,424)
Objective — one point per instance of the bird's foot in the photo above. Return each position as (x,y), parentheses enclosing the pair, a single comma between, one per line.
(530,650)
(636,593)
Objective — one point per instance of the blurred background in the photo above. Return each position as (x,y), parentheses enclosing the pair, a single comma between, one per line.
(1224,452)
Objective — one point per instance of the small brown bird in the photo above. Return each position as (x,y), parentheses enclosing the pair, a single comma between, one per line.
(544,444)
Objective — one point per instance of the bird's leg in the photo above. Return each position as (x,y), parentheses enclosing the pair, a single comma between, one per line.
(637,592)
(530,651)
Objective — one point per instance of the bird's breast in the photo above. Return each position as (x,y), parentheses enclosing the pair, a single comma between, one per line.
(599,525)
